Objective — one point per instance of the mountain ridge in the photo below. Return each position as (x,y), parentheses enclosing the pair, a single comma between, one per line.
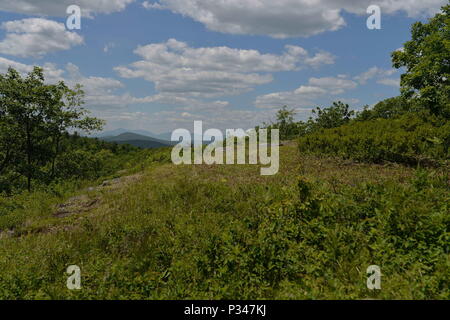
(138,140)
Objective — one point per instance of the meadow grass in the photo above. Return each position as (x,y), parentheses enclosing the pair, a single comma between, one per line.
(226,232)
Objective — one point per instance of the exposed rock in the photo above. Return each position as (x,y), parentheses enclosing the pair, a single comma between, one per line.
(76,205)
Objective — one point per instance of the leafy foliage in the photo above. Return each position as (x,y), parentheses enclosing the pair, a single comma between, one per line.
(410,140)
(285,123)
(427,61)
(413,128)
(33,118)
(331,117)
(386,109)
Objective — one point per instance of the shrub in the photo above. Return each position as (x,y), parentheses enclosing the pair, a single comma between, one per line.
(409,139)
(83,164)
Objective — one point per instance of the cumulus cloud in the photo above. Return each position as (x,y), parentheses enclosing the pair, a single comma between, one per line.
(390,82)
(374,72)
(285,18)
(58,8)
(148,5)
(184,103)
(305,95)
(327,87)
(333,85)
(176,68)
(20,67)
(168,120)
(36,37)
(51,72)
(382,76)
(102,93)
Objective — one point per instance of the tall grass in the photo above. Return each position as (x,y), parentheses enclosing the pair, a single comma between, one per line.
(225,232)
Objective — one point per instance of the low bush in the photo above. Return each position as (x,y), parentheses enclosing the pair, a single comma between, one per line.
(409,139)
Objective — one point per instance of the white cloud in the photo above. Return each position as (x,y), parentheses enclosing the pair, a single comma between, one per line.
(390,82)
(99,91)
(320,59)
(326,87)
(305,95)
(374,72)
(102,93)
(36,37)
(183,103)
(168,120)
(285,18)
(20,67)
(148,5)
(51,72)
(382,76)
(333,85)
(176,68)
(58,8)
(351,101)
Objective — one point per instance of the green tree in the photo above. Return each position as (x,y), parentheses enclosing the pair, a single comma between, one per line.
(285,122)
(34,116)
(332,117)
(426,58)
(66,113)
(386,109)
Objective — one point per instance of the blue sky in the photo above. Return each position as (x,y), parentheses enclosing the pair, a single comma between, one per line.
(159,66)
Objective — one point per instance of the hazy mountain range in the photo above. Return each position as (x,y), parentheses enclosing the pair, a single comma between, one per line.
(117,132)
(135,139)
(140,138)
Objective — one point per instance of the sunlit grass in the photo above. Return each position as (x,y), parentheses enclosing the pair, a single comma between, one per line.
(225,231)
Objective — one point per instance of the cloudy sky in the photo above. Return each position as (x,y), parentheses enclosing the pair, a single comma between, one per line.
(160,65)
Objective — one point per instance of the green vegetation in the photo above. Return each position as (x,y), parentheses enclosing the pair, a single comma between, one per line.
(427,61)
(215,232)
(412,129)
(35,117)
(354,190)
(87,168)
(410,140)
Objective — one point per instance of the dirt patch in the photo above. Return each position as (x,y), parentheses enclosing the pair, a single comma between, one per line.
(84,203)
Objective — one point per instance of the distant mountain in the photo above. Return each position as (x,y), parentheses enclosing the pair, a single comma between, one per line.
(117,132)
(137,140)
(164,136)
(124,136)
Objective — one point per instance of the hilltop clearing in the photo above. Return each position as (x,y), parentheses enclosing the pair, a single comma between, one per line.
(206,232)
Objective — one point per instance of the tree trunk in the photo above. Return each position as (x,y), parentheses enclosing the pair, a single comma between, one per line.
(5,160)
(57,141)
(28,157)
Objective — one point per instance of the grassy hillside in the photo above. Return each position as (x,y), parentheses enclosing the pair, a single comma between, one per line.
(166,232)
